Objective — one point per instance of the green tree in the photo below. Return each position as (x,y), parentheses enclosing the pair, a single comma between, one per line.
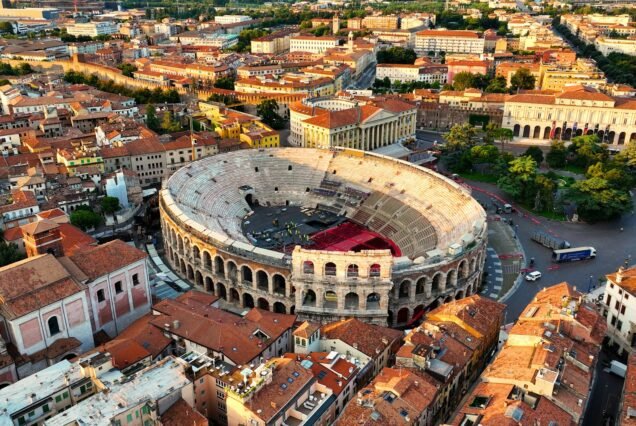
(9,253)
(396,55)
(536,153)
(519,182)
(85,219)
(628,155)
(556,157)
(110,205)
(151,118)
(544,198)
(484,154)
(224,83)
(460,137)
(6,27)
(268,111)
(169,124)
(522,79)
(502,135)
(464,80)
(588,151)
(497,85)
(127,69)
(596,200)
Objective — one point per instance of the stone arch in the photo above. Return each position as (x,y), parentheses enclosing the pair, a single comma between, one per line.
(246,274)
(262,303)
(207,260)
(279,283)
(209,285)
(526,131)
(180,245)
(404,290)
(292,310)
(537,132)
(232,271)
(557,133)
(448,299)
(219,265)
(546,132)
(469,290)
(632,137)
(451,278)
(235,296)
(464,269)
(309,298)
(330,269)
(279,308)
(53,325)
(621,138)
(248,300)
(352,270)
(308,267)
(610,136)
(262,280)
(352,301)
(437,282)
(459,295)
(567,134)
(373,301)
(198,278)
(601,134)
(403,315)
(516,130)
(389,318)
(330,300)
(173,237)
(221,292)
(375,270)
(186,246)
(190,272)
(473,264)
(196,253)
(420,286)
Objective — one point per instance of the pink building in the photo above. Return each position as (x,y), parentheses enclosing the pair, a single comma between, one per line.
(462,65)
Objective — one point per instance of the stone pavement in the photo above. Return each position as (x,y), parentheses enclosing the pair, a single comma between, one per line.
(505,259)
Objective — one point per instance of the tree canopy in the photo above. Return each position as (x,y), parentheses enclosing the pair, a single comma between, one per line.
(85,219)
(268,111)
(522,79)
(110,205)
(396,55)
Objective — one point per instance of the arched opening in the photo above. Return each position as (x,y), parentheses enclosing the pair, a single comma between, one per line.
(249,199)
(331,300)
(463,269)
(557,133)
(279,308)
(352,271)
(220,291)
(261,281)
(610,136)
(352,301)
(601,134)
(373,301)
(248,300)
(590,132)
(246,274)
(621,138)
(232,272)
(375,270)
(526,131)
(263,303)
(180,245)
(632,137)
(389,318)
(448,299)
(292,310)
(567,134)
(183,267)
(546,132)
(190,273)
(404,289)
(437,282)
(515,130)
(198,278)
(330,269)
(420,286)
(459,295)
(578,132)
(473,264)
(279,284)
(219,266)
(403,315)
(186,246)
(451,278)
(308,267)
(309,299)
(235,296)
(196,254)
(54,325)
(537,132)
(209,285)
(207,261)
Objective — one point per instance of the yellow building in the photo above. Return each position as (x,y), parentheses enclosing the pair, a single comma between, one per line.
(557,78)
(72,159)
(231,124)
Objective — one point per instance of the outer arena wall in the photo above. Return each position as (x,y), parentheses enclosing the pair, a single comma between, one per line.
(321,285)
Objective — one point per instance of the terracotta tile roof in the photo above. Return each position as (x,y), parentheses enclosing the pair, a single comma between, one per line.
(513,363)
(499,404)
(39,226)
(144,146)
(528,98)
(481,314)
(106,258)
(113,152)
(74,239)
(367,337)
(147,335)
(19,200)
(12,234)
(181,414)
(306,329)
(52,213)
(32,283)
(335,375)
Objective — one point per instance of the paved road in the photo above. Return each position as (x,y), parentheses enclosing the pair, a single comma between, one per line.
(606,393)
(365,80)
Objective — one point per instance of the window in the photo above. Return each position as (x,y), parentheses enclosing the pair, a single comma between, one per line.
(100,296)
(45,408)
(54,326)
(129,418)
(145,410)
(619,325)
(613,320)
(58,398)
(21,421)
(31,413)
(609,299)
(623,309)
(118,288)
(617,305)
(220,395)
(135,279)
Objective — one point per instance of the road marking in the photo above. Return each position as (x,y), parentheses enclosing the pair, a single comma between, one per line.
(499,271)
(494,295)
(497,287)
(498,279)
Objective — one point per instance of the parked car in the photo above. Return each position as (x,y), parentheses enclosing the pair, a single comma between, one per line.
(533,276)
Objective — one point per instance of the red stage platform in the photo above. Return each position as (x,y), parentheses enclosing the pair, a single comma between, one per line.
(349,236)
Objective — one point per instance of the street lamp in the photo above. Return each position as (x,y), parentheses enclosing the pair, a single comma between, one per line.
(589,287)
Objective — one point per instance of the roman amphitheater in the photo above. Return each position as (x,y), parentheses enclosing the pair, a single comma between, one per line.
(325,234)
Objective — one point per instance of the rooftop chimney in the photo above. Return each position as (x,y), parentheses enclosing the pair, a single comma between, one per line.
(619,275)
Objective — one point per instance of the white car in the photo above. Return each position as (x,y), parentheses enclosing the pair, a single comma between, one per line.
(533,276)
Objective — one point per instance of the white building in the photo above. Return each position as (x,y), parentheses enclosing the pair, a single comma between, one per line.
(231,19)
(410,73)
(619,305)
(93,29)
(607,45)
(312,44)
(448,41)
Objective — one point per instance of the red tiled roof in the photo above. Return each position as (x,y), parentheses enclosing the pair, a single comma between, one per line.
(181,414)
(367,337)
(103,259)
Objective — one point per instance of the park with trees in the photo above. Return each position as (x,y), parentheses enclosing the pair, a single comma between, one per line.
(581,178)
